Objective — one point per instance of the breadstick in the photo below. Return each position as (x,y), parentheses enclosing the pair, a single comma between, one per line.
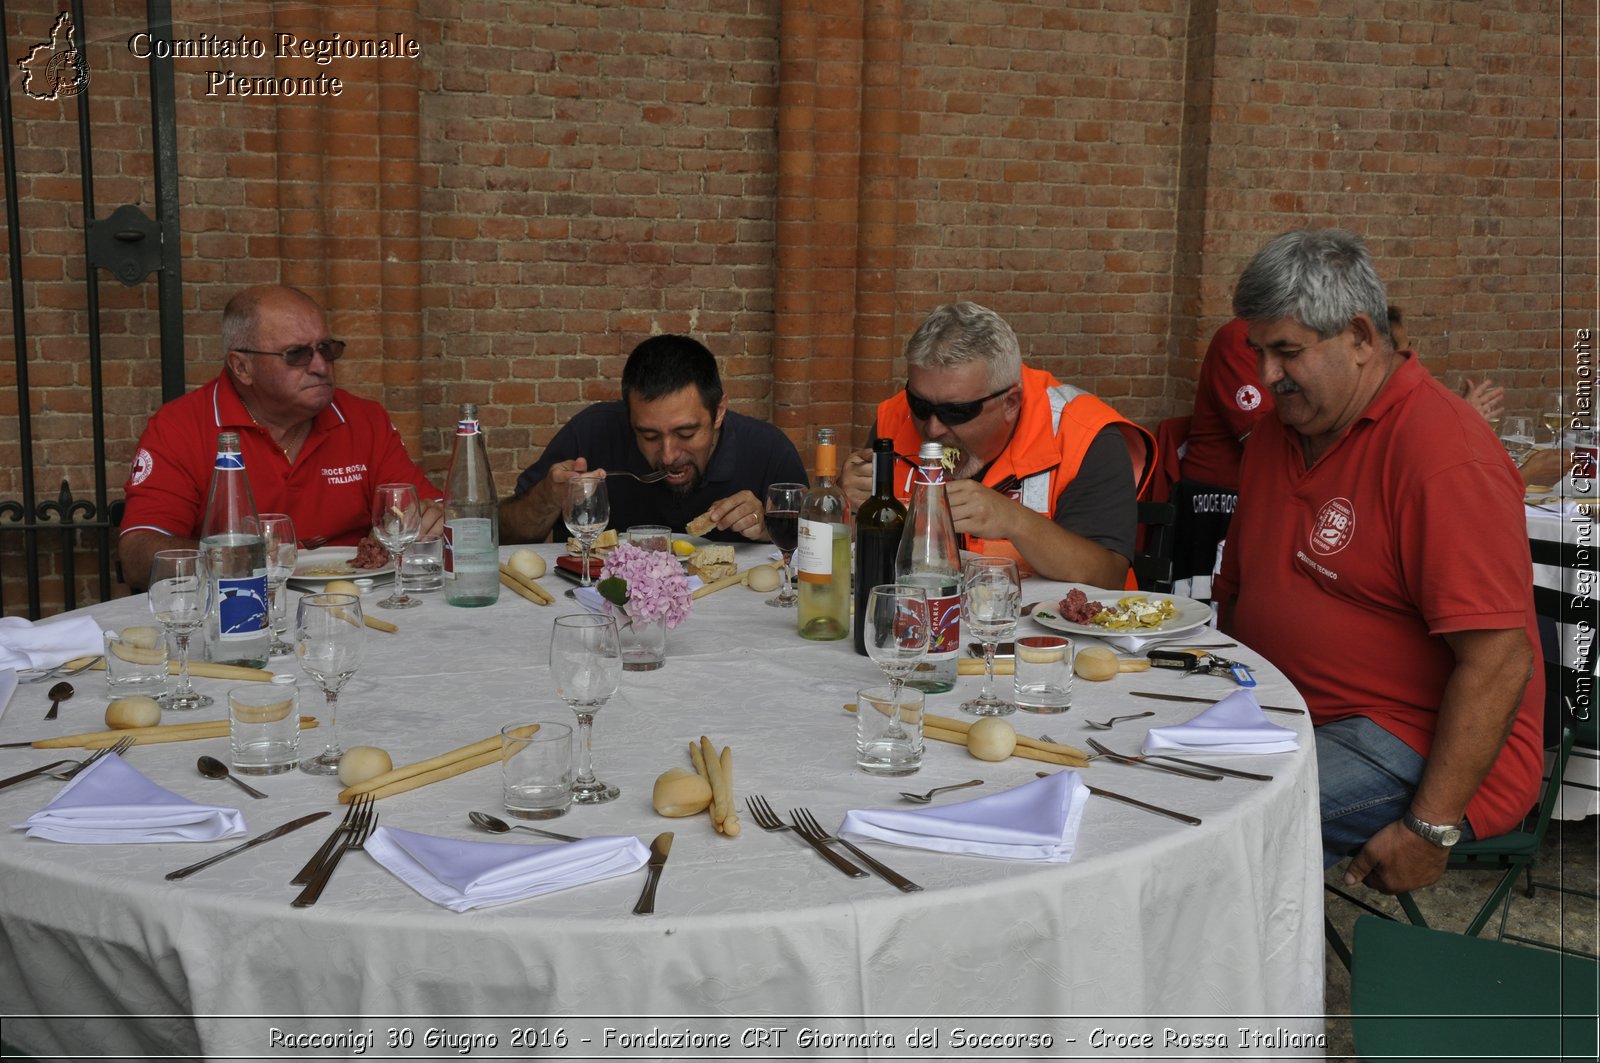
(421,767)
(730,822)
(378,625)
(413,782)
(527,583)
(974,666)
(198,669)
(149,736)
(725,582)
(1025,752)
(719,784)
(698,759)
(518,588)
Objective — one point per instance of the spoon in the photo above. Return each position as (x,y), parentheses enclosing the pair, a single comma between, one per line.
(923,799)
(212,768)
(496,825)
(1109,724)
(58,693)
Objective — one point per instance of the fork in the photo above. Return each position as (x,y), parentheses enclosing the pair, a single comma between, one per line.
(1144,758)
(67,769)
(306,873)
(1141,762)
(1109,724)
(806,825)
(360,830)
(768,820)
(61,671)
(644,478)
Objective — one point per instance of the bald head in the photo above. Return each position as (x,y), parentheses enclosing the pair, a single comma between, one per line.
(243,312)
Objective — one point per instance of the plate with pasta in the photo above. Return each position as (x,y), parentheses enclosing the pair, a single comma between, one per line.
(1120,612)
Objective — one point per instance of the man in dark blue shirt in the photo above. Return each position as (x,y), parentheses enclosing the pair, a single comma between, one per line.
(673,417)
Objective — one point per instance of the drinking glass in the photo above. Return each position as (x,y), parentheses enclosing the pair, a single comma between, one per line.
(1554,422)
(1517,435)
(586,511)
(329,637)
(896,630)
(180,598)
(991,598)
(783,525)
(586,663)
(277,532)
(396,520)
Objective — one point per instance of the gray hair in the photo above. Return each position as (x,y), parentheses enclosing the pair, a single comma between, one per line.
(958,333)
(240,316)
(1321,278)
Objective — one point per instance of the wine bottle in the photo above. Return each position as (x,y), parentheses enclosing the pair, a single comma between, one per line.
(822,558)
(239,629)
(471,519)
(880,524)
(930,558)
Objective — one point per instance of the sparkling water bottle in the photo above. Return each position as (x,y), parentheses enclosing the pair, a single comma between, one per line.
(930,558)
(239,629)
(471,519)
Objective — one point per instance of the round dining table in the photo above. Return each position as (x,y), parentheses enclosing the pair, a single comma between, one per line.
(1158,939)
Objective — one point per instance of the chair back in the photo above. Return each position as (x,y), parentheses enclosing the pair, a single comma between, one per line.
(1152,565)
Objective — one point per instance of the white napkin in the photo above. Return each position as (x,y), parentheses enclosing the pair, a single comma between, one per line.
(8,686)
(1235,724)
(462,875)
(112,801)
(1036,821)
(24,644)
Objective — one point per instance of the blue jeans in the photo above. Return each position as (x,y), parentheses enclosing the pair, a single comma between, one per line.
(1367,778)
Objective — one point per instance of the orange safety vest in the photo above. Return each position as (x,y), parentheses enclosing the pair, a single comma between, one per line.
(1054,430)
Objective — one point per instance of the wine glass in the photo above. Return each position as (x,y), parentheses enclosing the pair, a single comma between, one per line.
(586,663)
(783,525)
(896,630)
(1554,421)
(180,598)
(396,520)
(991,598)
(1517,435)
(277,532)
(586,512)
(329,637)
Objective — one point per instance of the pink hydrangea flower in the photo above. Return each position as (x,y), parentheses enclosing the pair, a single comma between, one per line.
(651,584)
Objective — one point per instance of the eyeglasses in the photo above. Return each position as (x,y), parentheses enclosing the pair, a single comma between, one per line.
(951,413)
(301,354)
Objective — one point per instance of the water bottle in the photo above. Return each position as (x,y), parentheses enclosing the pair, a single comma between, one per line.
(880,525)
(822,558)
(239,629)
(931,559)
(471,519)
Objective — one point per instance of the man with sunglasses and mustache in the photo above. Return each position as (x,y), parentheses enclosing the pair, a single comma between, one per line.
(311,450)
(1046,473)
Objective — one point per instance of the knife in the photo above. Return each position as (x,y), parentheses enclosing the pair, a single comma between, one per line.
(1207,701)
(1237,773)
(1193,821)
(1141,763)
(275,832)
(34,773)
(658,860)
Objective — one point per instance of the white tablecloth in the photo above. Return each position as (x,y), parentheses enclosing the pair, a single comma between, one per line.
(1155,929)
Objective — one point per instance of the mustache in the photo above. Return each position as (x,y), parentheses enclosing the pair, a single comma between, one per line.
(1285,387)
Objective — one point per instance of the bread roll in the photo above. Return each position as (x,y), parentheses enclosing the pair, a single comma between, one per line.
(764,579)
(680,793)
(991,738)
(135,711)
(526,562)
(361,763)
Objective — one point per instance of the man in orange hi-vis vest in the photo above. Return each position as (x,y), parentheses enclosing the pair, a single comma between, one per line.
(1044,472)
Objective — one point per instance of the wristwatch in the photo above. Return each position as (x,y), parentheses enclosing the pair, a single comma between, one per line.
(1442,836)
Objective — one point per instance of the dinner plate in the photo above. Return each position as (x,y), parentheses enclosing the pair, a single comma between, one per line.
(314,569)
(1191,614)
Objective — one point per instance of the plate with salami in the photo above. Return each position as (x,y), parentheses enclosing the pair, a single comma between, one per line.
(1130,613)
(316,568)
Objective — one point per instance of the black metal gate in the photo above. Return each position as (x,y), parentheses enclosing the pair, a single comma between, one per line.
(132,247)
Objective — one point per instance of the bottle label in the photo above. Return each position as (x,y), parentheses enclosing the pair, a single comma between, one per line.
(466,428)
(814,554)
(241,606)
(229,462)
(944,618)
(468,537)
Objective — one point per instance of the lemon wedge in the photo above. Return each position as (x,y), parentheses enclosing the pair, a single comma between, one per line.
(682,547)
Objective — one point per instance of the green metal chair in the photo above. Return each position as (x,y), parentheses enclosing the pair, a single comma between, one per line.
(1417,994)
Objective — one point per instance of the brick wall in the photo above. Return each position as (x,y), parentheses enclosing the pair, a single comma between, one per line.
(797,183)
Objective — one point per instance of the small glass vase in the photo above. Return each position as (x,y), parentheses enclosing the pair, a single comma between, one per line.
(644,644)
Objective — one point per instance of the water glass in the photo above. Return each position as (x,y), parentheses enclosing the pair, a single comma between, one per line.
(650,536)
(423,566)
(1043,679)
(136,662)
(536,769)
(889,742)
(1516,433)
(264,726)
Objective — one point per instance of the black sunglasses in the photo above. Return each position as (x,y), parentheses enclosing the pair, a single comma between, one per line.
(951,413)
(301,354)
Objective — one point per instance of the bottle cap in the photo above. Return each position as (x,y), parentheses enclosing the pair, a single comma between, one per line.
(931,450)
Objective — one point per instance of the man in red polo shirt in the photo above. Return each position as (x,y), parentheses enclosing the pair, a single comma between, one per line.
(311,450)
(1048,474)
(1379,557)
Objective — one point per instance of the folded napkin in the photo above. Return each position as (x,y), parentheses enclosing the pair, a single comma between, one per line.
(1036,821)
(1235,724)
(24,644)
(112,801)
(462,875)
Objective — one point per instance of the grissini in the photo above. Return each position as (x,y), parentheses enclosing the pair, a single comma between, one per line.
(427,767)
(149,736)
(719,584)
(414,782)
(379,625)
(730,822)
(947,729)
(197,669)
(526,583)
(974,666)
